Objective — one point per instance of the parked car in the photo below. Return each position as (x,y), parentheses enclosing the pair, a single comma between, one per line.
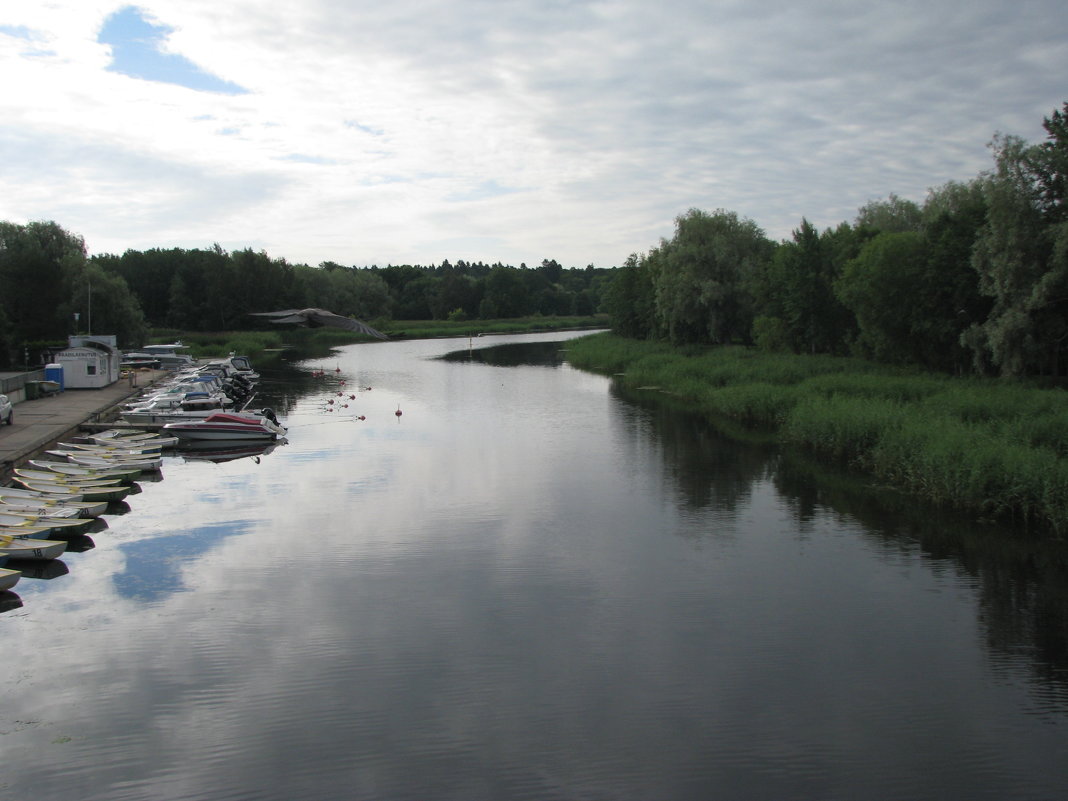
(7,413)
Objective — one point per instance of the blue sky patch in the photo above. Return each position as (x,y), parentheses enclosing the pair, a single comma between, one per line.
(18,31)
(154,566)
(136,50)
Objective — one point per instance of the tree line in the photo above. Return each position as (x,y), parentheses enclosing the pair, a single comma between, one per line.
(974,280)
(50,288)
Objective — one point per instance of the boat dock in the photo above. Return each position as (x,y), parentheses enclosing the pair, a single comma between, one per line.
(41,422)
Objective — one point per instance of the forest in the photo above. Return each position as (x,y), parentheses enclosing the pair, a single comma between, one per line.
(972,281)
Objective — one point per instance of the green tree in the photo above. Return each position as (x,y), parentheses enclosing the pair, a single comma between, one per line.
(1022,262)
(630,300)
(34,259)
(798,309)
(882,286)
(893,215)
(703,277)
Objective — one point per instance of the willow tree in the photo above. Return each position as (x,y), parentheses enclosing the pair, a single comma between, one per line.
(702,277)
(1021,256)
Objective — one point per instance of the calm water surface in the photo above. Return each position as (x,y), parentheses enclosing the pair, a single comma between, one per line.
(528,587)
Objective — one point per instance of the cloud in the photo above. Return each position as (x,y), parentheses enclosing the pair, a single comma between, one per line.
(361,125)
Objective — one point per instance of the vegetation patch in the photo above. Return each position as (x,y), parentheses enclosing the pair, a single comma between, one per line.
(990,447)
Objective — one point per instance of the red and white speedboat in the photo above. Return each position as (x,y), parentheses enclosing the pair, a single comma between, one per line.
(227,426)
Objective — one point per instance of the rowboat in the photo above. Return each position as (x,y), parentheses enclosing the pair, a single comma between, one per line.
(108,459)
(114,492)
(125,474)
(124,439)
(112,450)
(25,532)
(31,549)
(41,509)
(15,519)
(59,478)
(18,496)
(8,578)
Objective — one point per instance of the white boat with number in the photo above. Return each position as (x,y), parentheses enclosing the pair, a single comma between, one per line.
(19,496)
(37,550)
(15,519)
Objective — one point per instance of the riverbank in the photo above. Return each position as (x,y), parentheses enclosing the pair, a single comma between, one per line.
(38,424)
(992,448)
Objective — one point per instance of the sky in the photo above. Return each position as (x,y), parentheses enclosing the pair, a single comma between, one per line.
(413,131)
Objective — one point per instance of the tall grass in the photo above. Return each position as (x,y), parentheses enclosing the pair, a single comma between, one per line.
(994,448)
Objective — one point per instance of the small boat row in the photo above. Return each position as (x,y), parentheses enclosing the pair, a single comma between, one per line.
(55,501)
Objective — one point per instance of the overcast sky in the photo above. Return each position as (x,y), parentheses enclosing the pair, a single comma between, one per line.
(491,130)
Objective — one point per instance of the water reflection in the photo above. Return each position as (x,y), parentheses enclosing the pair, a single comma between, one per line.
(534,354)
(44,571)
(1021,581)
(9,601)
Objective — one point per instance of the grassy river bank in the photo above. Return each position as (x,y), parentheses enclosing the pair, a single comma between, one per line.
(992,448)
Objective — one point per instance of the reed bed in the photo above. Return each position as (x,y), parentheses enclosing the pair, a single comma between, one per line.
(994,448)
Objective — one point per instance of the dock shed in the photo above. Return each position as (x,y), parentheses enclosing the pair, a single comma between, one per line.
(90,362)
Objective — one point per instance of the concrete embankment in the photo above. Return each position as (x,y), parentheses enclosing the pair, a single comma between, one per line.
(41,422)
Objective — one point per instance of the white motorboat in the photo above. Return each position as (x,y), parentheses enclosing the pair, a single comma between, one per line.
(8,578)
(228,426)
(35,549)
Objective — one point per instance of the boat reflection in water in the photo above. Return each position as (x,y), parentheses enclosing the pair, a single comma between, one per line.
(9,601)
(46,571)
(226,450)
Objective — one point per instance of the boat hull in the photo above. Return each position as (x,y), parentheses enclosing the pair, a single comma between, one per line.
(33,549)
(8,578)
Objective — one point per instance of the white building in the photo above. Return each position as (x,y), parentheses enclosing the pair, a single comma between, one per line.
(90,362)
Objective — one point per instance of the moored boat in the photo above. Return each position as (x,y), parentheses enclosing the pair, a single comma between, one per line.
(114,492)
(19,496)
(16,519)
(8,578)
(228,426)
(108,460)
(113,450)
(59,478)
(31,549)
(123,439)
(124,474)
(25,532)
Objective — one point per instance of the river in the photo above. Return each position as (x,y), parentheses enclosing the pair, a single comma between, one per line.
(528,585)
